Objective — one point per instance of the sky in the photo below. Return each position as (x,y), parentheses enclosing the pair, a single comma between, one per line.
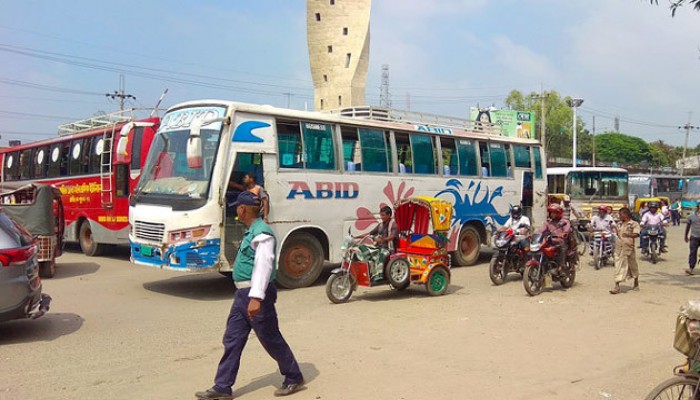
(625,58)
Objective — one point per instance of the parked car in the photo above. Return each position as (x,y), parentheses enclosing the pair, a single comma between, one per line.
(20,285)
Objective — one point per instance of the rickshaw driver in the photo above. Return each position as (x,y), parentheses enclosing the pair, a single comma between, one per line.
(560,229)
(384,235)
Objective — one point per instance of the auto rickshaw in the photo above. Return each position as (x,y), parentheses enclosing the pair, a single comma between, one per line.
(40,210)
(420,257)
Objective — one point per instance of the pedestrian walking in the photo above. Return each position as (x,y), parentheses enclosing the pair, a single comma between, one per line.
(676,212)
(625,252)
(253,306)
(692,227)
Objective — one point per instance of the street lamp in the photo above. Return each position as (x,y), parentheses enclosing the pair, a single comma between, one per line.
(574,103)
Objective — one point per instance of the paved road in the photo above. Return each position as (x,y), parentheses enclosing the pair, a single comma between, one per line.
(116,331)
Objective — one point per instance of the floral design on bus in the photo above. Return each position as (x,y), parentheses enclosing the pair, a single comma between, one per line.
(366,218)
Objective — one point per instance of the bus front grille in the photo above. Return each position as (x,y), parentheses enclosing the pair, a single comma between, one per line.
(149,231)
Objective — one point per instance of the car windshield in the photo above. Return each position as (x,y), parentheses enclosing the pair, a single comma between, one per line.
(585,185)
(166,170)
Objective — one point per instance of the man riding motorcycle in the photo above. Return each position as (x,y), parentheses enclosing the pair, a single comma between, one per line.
(519,223)
(652,217)
(603,222)
(559,229)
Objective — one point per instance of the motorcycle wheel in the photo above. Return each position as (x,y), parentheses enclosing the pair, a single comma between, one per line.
(533,280)
(398,273)
(597,262)
(568,277)
(654,253)
(498,270)
(339,288)
(678,387)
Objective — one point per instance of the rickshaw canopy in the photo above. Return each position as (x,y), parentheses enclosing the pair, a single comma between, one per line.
(419,211)
(31,205)
(642,201)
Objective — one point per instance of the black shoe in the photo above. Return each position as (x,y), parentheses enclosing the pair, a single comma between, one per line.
(289,388)
(664,250)
(211,394)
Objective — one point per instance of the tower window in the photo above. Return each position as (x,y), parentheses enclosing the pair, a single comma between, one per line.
(318,16)
(325,78)
(345,31)
(347,60)
(321,104)
(330,49)
(332,2)
(340,101)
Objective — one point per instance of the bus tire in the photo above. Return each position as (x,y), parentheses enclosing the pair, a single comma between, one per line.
(88,245)
(468,246)
(301,261)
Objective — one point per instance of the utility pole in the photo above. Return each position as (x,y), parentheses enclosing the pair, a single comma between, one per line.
(594,140)
(120,94)
(542,97)
(289,97)
(687,128)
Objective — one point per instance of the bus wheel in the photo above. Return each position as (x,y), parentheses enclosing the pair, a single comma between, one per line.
(301,261)
(468,246)
(87,241)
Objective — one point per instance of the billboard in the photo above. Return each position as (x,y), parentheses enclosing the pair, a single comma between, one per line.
(513,123)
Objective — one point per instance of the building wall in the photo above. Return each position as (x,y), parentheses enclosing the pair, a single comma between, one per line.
(338,39)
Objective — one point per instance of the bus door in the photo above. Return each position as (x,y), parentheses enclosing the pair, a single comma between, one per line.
(527,198)
(244,163)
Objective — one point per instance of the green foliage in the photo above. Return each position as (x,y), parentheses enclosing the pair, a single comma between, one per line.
(621,148)
(675,4)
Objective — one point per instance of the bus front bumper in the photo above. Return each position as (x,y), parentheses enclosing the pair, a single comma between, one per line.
(191,256)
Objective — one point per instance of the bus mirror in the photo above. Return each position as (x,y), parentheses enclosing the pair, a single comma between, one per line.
(194,142)
(123,139)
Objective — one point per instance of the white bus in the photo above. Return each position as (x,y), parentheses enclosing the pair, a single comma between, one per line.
(325,174)
(590,187)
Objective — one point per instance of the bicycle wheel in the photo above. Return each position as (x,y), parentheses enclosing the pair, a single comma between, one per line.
(580,243)
(677,388)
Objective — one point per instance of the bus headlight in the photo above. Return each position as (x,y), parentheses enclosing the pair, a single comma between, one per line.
(189,234)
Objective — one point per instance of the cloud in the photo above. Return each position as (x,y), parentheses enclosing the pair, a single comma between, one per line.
(519,61)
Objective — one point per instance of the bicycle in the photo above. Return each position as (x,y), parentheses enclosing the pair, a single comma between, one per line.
(686,382)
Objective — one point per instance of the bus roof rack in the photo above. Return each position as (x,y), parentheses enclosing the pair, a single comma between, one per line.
(418,118)
(96,121)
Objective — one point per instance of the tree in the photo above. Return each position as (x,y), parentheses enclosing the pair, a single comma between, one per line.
(675,4)
(621,148)
(558,125)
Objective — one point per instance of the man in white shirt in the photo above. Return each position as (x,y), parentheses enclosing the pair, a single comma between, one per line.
(651,218)
(603,222)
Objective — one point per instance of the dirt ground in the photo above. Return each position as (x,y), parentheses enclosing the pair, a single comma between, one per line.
(116,331)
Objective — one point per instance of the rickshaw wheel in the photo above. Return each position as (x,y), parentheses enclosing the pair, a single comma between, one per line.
(468,246)
(437,282)
(47,269)
(399,273)
(339,287)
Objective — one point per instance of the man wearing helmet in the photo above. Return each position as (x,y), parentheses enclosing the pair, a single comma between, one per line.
(559,228)
(517,221)
(603,222)
(653,217)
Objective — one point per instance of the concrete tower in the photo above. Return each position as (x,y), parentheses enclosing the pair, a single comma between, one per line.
(338,37)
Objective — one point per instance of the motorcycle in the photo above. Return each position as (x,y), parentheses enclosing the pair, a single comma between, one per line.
(654,236)
(602,248)
(510,256)
(543,264)
(367,264)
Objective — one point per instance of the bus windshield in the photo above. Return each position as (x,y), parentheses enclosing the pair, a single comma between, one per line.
(166,170)
(640,186)
(692,189)
(598,184)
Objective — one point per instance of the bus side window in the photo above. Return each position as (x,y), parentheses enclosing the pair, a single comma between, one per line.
(25,164)
(75,163)
(41,162)
(319,148)
(54,161)
(404,154)
(136,146)
(352,161)
(289,145)
(121,180)
(485,159)
(11,166)
(450,159)
(423,154)
(538,162)
(376,152)
(498,163)
(521,154)
(467,158)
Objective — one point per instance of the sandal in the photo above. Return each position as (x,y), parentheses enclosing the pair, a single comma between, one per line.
(615,291)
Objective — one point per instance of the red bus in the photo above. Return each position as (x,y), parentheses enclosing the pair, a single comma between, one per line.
(95,180)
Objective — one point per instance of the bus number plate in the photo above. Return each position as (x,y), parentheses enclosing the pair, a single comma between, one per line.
(146,251)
